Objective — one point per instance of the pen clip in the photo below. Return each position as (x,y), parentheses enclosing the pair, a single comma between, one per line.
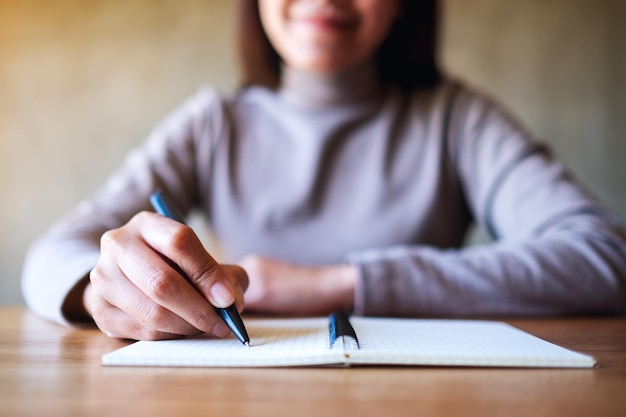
(164,206)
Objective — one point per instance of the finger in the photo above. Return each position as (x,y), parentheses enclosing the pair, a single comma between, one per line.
(180,244)
(116,323)
(237,274)
(240,277)
(115,288)
(160,283)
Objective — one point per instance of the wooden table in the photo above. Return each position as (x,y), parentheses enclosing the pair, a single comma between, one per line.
(48,370)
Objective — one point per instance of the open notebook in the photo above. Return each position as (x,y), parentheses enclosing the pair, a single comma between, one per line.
(381,341)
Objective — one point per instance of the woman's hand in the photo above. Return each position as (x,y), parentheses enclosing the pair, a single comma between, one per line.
(278,287)
(137,292)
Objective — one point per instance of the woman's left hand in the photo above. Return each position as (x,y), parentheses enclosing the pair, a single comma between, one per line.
(277,287)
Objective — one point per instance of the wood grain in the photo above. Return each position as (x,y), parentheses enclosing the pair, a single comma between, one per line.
(49,370)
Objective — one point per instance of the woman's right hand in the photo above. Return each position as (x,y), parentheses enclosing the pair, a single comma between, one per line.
(135,291)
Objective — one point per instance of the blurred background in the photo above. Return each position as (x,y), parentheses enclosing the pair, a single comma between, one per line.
(84,81)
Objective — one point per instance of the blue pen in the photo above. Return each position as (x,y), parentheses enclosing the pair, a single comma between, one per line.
(164,206)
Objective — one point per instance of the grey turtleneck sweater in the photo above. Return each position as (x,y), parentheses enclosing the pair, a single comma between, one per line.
(331,170)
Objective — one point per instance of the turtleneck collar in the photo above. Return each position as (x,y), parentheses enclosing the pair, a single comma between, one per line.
(314,90)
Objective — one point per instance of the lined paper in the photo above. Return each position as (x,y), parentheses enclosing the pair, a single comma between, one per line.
(457,343)
(272,343)
(305,342)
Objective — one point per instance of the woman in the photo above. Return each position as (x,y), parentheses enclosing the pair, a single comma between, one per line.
(343,176)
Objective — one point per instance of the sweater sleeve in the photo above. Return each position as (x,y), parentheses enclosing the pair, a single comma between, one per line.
(556,249)
(65,254)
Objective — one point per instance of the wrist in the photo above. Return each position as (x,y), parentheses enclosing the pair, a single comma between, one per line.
(74,307)
(341,280)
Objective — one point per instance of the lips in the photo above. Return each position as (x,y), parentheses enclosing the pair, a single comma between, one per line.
(327,22)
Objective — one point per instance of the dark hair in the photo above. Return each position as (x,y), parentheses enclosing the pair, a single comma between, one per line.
(406,58)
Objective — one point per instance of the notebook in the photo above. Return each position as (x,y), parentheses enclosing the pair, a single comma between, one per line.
(374,341)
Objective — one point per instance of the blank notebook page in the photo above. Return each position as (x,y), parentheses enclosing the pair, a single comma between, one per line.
(456,342)
(294,342)
(273,343)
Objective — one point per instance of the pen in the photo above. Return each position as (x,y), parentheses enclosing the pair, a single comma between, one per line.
(339,327)
(164,206)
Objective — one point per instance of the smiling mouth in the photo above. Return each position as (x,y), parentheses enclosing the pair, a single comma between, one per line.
(329,23)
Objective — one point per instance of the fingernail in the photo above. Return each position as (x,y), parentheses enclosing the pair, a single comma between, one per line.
(222,295)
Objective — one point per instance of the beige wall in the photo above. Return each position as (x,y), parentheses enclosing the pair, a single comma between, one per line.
(82,81)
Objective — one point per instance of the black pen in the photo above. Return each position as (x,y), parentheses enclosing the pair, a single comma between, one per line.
(164,206)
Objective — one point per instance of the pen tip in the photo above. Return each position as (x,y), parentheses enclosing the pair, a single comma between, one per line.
(247,343)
